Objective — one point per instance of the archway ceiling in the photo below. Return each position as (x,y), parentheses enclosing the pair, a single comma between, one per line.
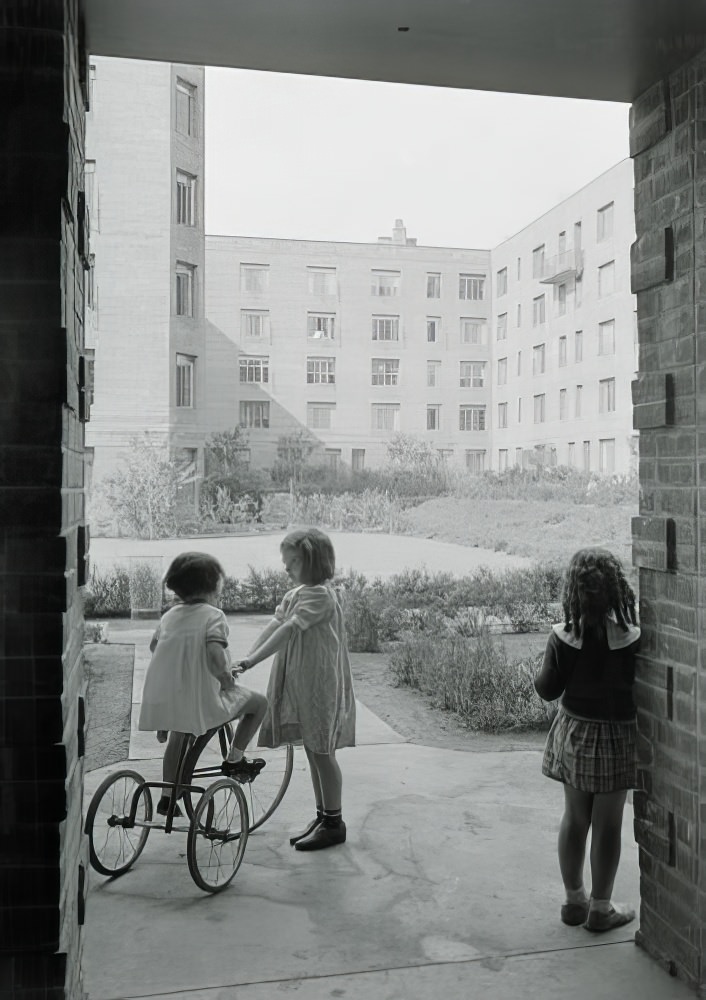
(599,49)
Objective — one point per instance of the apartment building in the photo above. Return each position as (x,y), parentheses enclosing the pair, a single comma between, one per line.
(145,329)
(564,341)
(350,343)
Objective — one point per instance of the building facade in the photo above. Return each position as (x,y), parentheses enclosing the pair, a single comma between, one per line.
(145,329)
(349,343)
(564,341)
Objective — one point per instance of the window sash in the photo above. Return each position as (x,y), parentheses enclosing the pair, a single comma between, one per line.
(433,285)
(256,370)
(538,360)
(502,282)
(319,416)
(606,396)
(472,374)
(385,371)
(502,415)
(184,381)
(433,369)
(254,278)
(473,331)
(385,417)
(254,414)
(501,327)
(606,337)
(433,328)
(539,314)
(254,324)
(320,326)
(475,460)
(562,352)
(539,408)
(184,291)
(433,418)
(472,418)
(386,328)
(385,284)
(322,281)
(321,371)
(471,286)
(185,186)
(185,107)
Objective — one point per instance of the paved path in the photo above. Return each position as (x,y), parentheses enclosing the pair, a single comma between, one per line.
(447,887)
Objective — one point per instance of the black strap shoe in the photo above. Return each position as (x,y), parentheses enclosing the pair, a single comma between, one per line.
(243,769)
(327,834)
(310,828)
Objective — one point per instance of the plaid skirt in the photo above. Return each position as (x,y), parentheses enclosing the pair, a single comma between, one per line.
(590,755)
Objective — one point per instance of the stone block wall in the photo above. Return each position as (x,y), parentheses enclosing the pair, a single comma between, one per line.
(42,537)
(668,146)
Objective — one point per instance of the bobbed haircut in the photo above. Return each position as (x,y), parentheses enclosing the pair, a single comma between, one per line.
(315,550)
(194,574)
(594,586)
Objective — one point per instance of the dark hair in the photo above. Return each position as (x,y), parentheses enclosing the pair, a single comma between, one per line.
(316,553)
(194,574)
(594,586)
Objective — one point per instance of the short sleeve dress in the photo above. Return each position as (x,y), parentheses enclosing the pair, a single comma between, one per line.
(180,693)
(310,692)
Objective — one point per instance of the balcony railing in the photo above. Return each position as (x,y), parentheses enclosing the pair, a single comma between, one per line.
(568,264)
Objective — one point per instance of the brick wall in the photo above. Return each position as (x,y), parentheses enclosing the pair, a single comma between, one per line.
(42,539)
(668,146)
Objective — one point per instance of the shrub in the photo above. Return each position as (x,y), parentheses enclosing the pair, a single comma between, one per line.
(548,483)
(108,594)
(370,510)
(263,590)
(473,678)
(145,583)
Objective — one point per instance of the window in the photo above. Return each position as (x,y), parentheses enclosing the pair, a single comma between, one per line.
(433,285)
(502,415)
(333,458)
(560,299)
(606,337)
(444,454)
(538,262)
(578,400)
(185,199)
(519,409)
(519,268)
(322,280)
(502,371)
(563,405)
(386,416)
(185,108)
(385,371)
(473,331)
(319,415)
(472,375)
(433,329)
(502,459)
(320,326)
(501,327)
(184,290)
(385,283)
(561,245)
(562,352)
(577,236)
(578,291)
(571,458)
(606,279)
(587,456)
(539,408)
(538,359)
(91,190)
(606,395)
(606,455)
(255,370)
(255,325)
(519,362)
(254,414)
(472,418)
(471,286)
(433,418)
(604,222)
(433,373)
(321,371)
(358,459)
(538,311)
(91,85)
(90,377)
(475,460)
(254,278)
(519,314)
(578,345)
(386,328)
(501,286)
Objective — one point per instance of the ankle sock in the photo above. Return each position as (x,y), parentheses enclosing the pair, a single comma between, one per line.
(576,895)
(235,755)
(601,905)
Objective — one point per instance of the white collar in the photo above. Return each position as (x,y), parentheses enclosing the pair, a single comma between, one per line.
(617,638)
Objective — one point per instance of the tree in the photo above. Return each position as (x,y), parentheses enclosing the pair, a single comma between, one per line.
(293,453)
(224,453)
(142,493)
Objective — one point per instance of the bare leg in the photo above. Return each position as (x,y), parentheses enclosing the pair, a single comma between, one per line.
(249,719)
(315,780)
(607,821)
(573,832)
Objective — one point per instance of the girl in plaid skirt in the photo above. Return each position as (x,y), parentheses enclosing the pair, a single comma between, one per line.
(590,662)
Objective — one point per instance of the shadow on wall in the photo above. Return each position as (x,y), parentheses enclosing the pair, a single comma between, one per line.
(230,402)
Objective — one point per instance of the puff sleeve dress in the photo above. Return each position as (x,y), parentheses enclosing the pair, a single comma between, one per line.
(310,692)
(180,693)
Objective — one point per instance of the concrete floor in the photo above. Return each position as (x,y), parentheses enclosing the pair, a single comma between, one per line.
(447,886)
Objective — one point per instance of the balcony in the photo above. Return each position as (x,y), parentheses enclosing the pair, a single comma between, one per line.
(563,266)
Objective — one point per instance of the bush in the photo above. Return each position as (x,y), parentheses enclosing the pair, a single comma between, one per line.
(544,483)
(370,510)
(263,591)
(472,678)
(107,595)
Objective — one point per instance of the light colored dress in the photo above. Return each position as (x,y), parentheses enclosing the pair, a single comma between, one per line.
(180,692)
(310,693)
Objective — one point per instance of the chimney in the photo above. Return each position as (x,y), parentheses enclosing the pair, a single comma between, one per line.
(399,236)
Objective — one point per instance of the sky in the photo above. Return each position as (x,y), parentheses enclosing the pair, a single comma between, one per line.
(301,157)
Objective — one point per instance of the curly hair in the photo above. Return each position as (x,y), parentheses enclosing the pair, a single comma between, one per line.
(316,553)
(194,574)
(595,585)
